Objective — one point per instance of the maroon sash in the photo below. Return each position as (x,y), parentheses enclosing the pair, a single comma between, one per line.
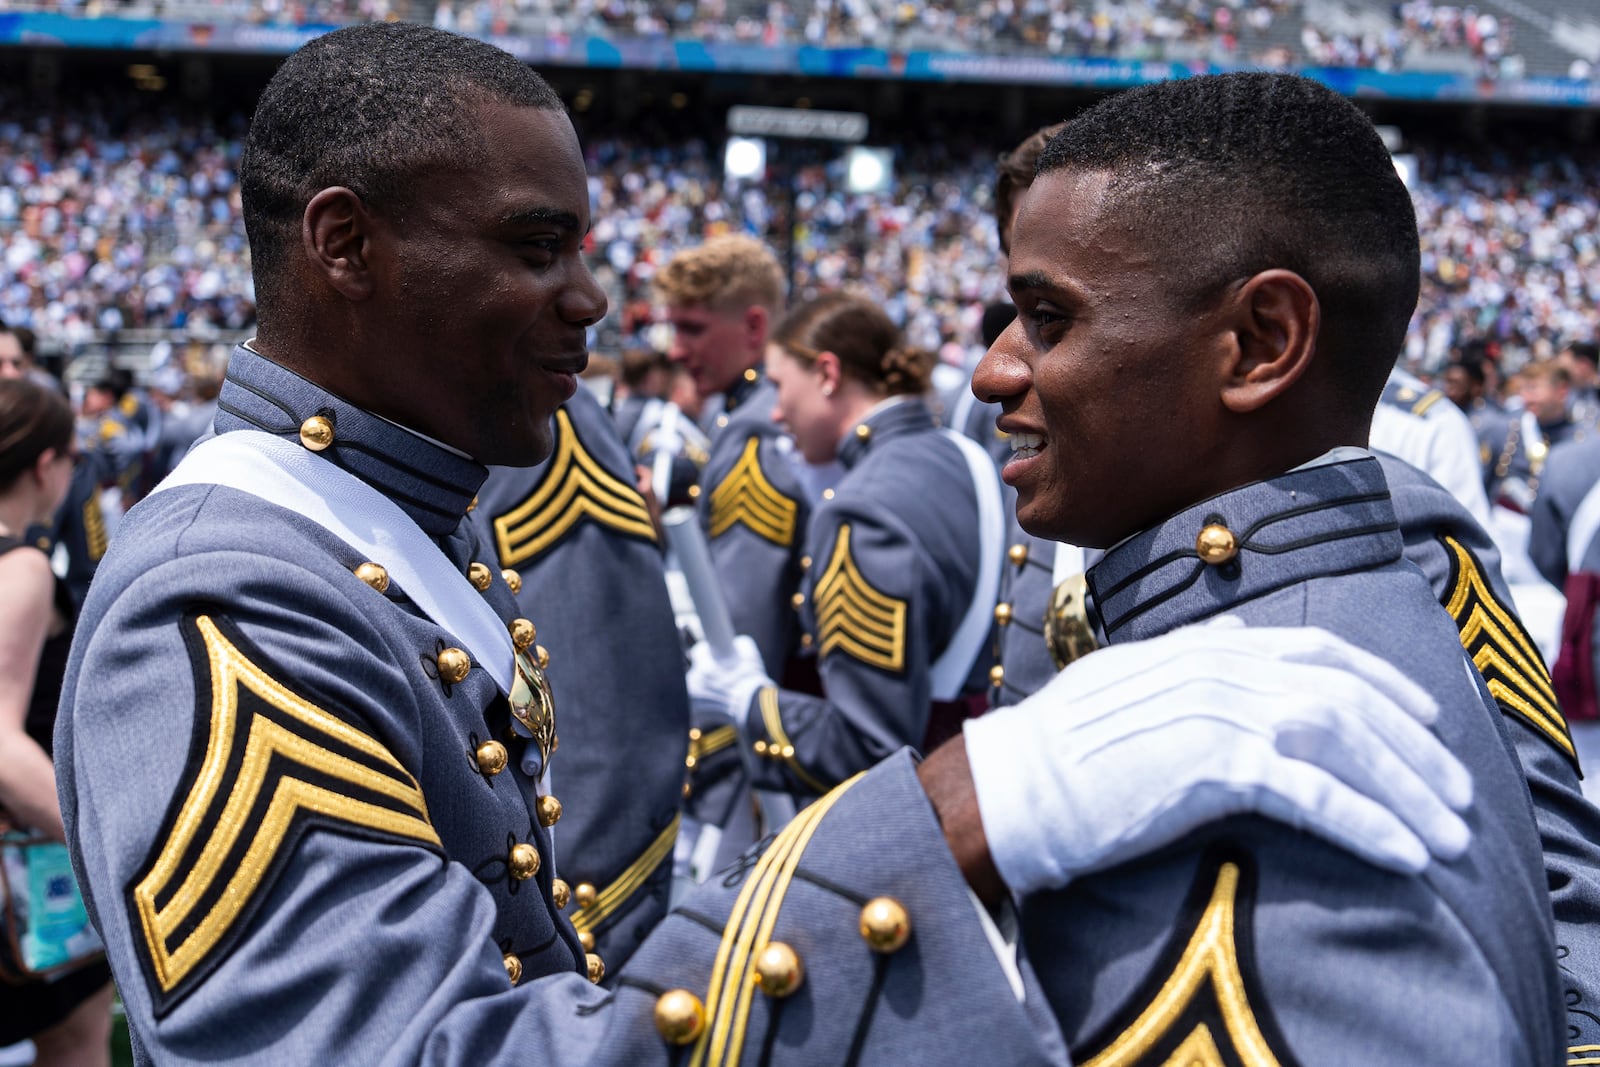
(1573,674)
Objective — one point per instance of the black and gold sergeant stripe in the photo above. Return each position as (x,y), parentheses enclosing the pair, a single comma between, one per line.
(1196,1010)
(749,929)
(778,738)
(856,618)
(1502,650)
(628,882)
(574,487)
(746,496)
(271,766)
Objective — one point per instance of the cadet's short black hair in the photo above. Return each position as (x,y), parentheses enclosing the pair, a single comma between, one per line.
(1240,173)
(371,108)
(1587,351)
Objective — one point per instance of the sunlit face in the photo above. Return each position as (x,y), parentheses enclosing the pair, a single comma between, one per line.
(13,361)
(715,347)
(802,408)
(1106,381)
(491,292)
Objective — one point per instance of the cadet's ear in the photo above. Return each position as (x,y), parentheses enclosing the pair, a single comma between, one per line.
(757,324)
(1276,318)
(336,231)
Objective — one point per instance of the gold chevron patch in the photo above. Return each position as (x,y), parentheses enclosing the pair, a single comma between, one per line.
(1502,651)
(628,882)
(854,616)
(574,487)
(746,496)
(748,931)
(1201,1002)
(273,766)
(94,527)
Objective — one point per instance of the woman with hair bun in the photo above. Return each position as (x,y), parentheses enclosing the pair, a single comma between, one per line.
(902,560)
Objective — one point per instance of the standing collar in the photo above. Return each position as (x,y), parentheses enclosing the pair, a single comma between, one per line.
(1322,519)
(891,418)
(742,389)
(432,483)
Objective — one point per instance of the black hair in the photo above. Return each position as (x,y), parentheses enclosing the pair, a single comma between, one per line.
(371,108)
(1587,351)
(1245,172)
(1471,366)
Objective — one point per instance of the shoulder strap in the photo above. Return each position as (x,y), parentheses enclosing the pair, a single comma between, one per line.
(950,670)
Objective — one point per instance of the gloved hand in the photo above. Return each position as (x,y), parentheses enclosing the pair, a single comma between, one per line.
(1133,747)
(729,684)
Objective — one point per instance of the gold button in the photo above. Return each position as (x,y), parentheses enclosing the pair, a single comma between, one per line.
(454,665)
(586,939)
(1002,614)
(798,601)
(480,577)
(722,420)
(585,894)
(680,1017)
(523,634)
(885,926)
(778,970)
(513,968)
(695,733)
(597,968)
(787,752)
(560,893)
(316,433)
(827,494)
(512,579)
(806,640)
(524,862)
(688,790)
(374,575)
(541,656)
(691,761)
(750,375)
(549,811)
(760,748)
(472,505)
(863,432)
(694,492)
(805,562)
(492,757)
(997,675)
(1017,554)
(1216,544)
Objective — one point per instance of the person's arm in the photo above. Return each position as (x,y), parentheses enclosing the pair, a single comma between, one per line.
(27,780)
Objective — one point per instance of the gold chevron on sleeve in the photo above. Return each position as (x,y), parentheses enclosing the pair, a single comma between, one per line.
(856,618)
(746,496)
(94,528)
(574,487)
(749,929)
(628,882)
(273,765)
(1502,650)
(1200,1003)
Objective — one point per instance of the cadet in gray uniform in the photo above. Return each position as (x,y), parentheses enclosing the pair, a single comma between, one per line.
(308,765)
(1191,412)
(722,299)
(574,540)
(902,559)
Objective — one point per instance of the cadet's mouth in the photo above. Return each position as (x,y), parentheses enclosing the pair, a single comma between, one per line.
(1026,445)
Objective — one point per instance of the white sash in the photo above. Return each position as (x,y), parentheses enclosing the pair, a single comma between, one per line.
(281,472)
(951,670)
(1581,532)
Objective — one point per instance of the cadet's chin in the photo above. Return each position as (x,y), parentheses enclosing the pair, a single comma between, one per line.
(528,447)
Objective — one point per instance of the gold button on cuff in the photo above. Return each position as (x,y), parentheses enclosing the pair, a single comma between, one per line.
(454,665)
(316,433)
(480,576)
(585,894)
(759,748)
(1017,554)
(560,893)
(1216,544)
(885,925)
(597,968)
(586,939)
(523,634)
(513,968)
(524,862)
(549,811)
(492,757)
(541,656)
(680,1017)
(375,575)
(1002,614)
(863,432)
(786,752)
(512,579)
(750,374)
(997,675)
(778,970)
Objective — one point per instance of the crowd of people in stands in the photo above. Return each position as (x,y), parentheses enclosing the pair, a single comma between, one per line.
(112,221)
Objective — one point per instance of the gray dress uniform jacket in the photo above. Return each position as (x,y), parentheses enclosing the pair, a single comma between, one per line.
(301,847)
(1253,943)
(575,540)
(892,564)
(755,513)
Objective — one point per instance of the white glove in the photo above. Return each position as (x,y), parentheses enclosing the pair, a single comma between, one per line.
(1137,745)
(729,684)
